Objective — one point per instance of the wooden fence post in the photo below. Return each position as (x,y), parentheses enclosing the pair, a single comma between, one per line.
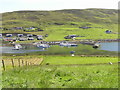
(12,63)
(26,63)
(19,62)
(22,63)
(3,64)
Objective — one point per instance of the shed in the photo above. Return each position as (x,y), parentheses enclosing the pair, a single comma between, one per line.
(19,28)
(20,35)
(22,39)
(8,39)
(8,35)
(71,36)
(39,38)
(108,31)
(30,38)
(0,35)
(29,35)
(85,27)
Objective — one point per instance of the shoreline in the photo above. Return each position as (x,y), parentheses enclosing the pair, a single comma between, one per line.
(108,40)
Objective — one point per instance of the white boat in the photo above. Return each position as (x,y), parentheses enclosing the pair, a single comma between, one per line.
(96,45)
(43,45)
(17,47)
(68,44)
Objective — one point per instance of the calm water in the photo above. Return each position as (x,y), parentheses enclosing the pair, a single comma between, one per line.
(26,49)
(110,46)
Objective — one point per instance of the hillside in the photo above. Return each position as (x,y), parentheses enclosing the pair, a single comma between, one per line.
(64,22)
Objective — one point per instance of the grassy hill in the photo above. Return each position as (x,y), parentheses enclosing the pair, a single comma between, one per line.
(60,23)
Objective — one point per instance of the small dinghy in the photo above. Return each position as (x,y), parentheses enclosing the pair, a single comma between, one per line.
(96,45)
(17,47)
(68,44)
(43,45)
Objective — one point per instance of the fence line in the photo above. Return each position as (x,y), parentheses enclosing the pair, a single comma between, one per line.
(12,63)
(3,64)
(19,63)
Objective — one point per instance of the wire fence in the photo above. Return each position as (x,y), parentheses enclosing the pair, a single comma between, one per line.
(13,63)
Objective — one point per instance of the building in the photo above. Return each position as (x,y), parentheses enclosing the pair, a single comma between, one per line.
(71,36)
(7,39)
(8,35)
(20,35)
(29,35)
(1,35)
(22,39)
(30,38)
(108,31)
(39,38)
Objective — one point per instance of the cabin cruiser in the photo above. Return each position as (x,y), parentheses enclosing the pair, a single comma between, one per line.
(68,44)
(43,45)
(96,45)
(17,47)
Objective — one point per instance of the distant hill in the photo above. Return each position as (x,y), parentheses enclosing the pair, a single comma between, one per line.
(60,23)
(27,18)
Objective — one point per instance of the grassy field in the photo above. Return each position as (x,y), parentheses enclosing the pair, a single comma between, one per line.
(59,60)
(101,76)
(57,24)
(57,33)
(64,76)
(20,61)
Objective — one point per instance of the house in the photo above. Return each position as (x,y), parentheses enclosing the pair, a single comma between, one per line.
(71,36)
(7,39)
(1,28)
(39,38)
(108,31)
(14,39)
(20,35)
(30,29)
(22,39)
(0,35)
(18,28)
(85,27)
(30,38)
(29,35)
(8,35)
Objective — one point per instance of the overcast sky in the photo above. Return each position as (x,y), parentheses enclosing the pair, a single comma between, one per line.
(16,5)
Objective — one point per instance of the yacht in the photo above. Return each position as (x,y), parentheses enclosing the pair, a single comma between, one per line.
(17,47)
(43,45)
(68,44)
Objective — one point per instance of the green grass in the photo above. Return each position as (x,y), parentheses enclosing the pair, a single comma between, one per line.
(101,76)
(62,76)
(57,33)
(59,60)
(99,19)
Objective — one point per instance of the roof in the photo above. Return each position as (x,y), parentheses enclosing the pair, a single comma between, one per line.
(8,34)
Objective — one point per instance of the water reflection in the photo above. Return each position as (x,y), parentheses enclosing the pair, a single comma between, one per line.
(25,49)
(110,46)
